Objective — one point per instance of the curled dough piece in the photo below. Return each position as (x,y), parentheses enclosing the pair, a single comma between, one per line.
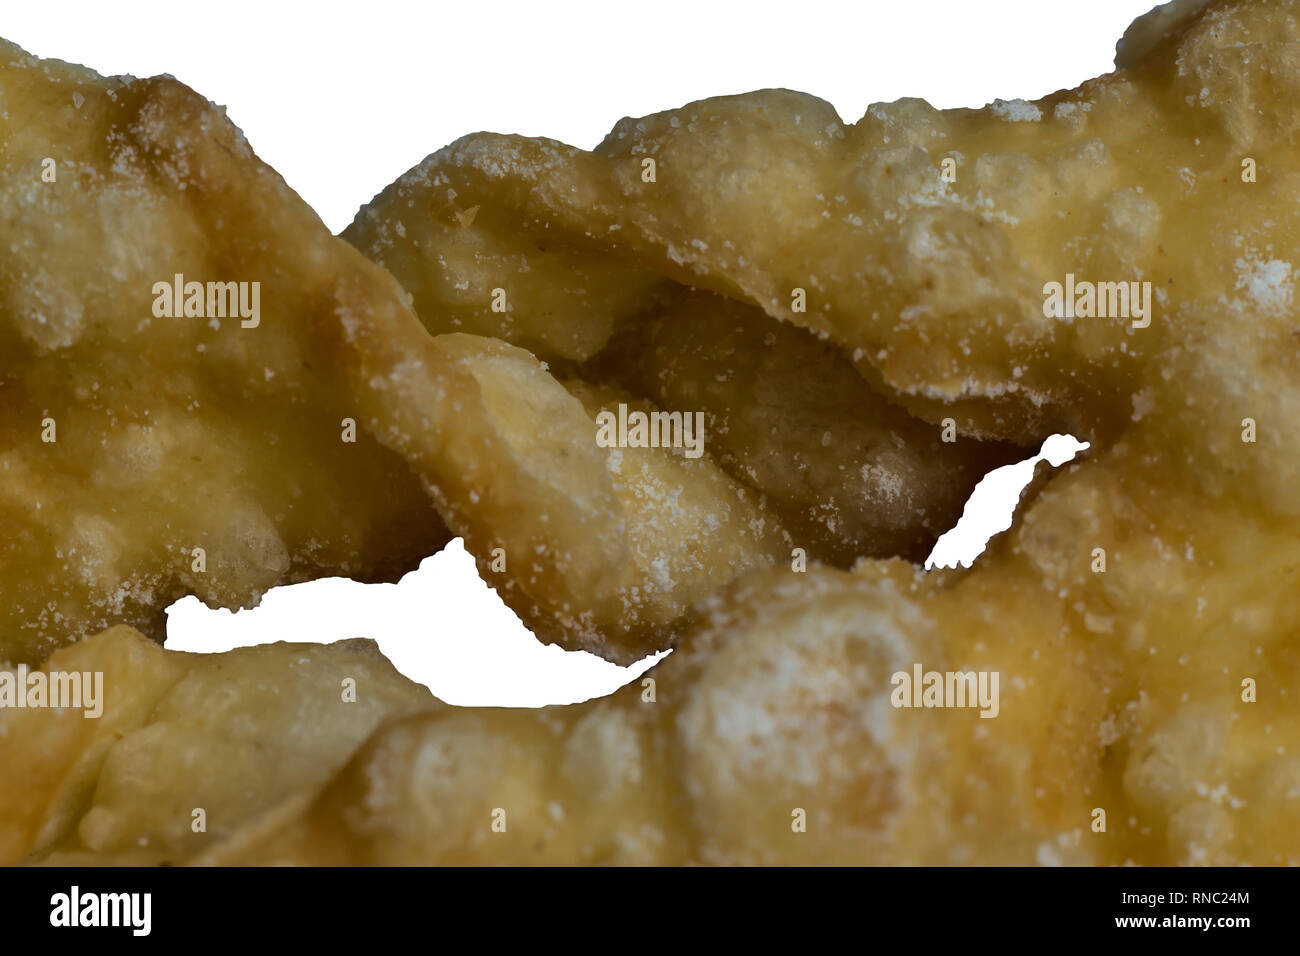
(152,448)
(151,455)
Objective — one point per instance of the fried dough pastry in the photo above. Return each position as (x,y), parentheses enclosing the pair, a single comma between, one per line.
(1174,171)
(849,474)
(1141,613)
(230,735)
(1121,691)
(144,457)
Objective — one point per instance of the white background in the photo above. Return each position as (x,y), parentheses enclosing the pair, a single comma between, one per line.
(342,98)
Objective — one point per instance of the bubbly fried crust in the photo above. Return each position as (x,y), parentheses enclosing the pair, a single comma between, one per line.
(231,735)
(1120,691)
(129,440)
(176,434)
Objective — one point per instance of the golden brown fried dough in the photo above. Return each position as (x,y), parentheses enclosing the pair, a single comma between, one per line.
(777,708)
(230,735)
(129,439)
(1118,691)
(1140,616)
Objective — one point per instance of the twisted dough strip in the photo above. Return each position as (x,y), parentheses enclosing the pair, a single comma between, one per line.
(1121,688)
(1120,691)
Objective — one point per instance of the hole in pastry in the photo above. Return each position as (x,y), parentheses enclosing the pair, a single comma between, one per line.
(991,507)
(441,626)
